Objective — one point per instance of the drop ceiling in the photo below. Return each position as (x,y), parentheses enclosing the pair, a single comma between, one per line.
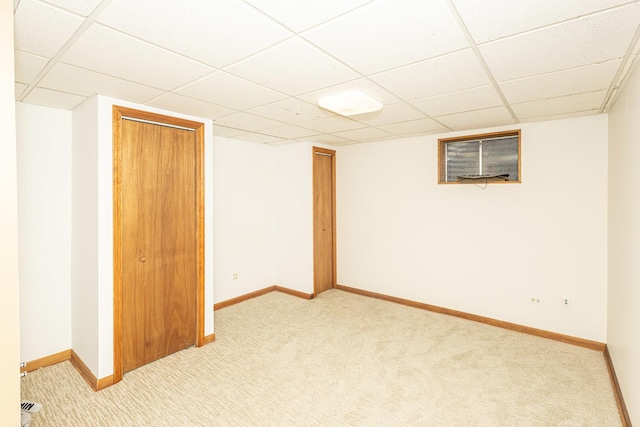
(258,67)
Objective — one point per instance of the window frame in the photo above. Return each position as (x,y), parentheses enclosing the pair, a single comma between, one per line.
(442,142)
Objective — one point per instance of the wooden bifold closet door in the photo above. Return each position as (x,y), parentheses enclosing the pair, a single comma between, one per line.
(158,241)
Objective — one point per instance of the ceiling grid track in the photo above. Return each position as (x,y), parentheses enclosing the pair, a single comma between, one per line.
(474,47)
(258,68)
(88,21)
(621,75)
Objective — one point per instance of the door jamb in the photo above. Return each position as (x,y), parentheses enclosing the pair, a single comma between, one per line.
(117,114)
(332,153)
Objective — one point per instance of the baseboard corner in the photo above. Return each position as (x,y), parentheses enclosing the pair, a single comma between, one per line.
(568,339)
(293,292)
(85,372)
(617,391)
(208,339)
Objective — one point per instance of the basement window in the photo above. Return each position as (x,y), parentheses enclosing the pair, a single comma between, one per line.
(488,158)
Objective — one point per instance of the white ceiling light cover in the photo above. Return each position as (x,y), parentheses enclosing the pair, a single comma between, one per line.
(350,103)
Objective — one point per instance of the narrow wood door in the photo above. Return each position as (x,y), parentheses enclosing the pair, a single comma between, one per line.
(324,255)
(159,241)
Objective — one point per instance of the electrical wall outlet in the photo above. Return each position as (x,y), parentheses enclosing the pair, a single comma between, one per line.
(234,277)
(535,300)
(565,303)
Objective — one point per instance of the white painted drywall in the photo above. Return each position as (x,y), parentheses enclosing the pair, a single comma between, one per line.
(293,245)
(84,234)
(263,217)
(9,325)
(483,251)
(243,179)
(44,218)
(623,332)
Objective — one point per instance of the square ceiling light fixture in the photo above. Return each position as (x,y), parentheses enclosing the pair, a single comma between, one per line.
(350,103)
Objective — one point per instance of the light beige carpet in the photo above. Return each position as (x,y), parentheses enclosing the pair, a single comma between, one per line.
(342,359)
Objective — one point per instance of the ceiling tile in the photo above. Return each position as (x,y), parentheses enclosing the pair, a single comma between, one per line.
(110,52)
(400,112)
(291,110)
(560,105)
(247,121)
(413,127)
(53,98)
(28,66)
(217,33)
(387,34)
(576,80)
(560,116)
(466,100)
(449,73)
(364,85)
(332,124)
(227,132)
(474,119)
(230,91)
(490,20)
(596,38)
(364,134)
(259,138)
(79,81)
(342,144)
(293,67)
(20,87)
(281,142)
(42,29)
(326,139)
(551,60)
(300,15)
(185,105)
(290,132)
(83,7)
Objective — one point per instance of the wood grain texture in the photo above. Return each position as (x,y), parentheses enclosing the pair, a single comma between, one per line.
(259,292)
(196,328)
(581,342)
(239,299)
(292,292)
(85,372)
(208,339)
(159,244)
(117,242)
(47,361)
(625,419)
(324,224)
(199,163)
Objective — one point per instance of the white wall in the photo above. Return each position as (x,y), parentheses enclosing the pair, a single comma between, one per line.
(293,245)
(243,180)
(483,251)
(623,332)
(84,234)
(9,326)
(44,219)
(263,216)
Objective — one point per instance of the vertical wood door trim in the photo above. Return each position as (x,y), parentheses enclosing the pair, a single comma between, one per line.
(118,113)
(332,154)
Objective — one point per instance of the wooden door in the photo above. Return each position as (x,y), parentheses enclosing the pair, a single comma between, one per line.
(159,241)
(324,223)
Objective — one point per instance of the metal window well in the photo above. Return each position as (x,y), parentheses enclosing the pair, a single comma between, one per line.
(486,159)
